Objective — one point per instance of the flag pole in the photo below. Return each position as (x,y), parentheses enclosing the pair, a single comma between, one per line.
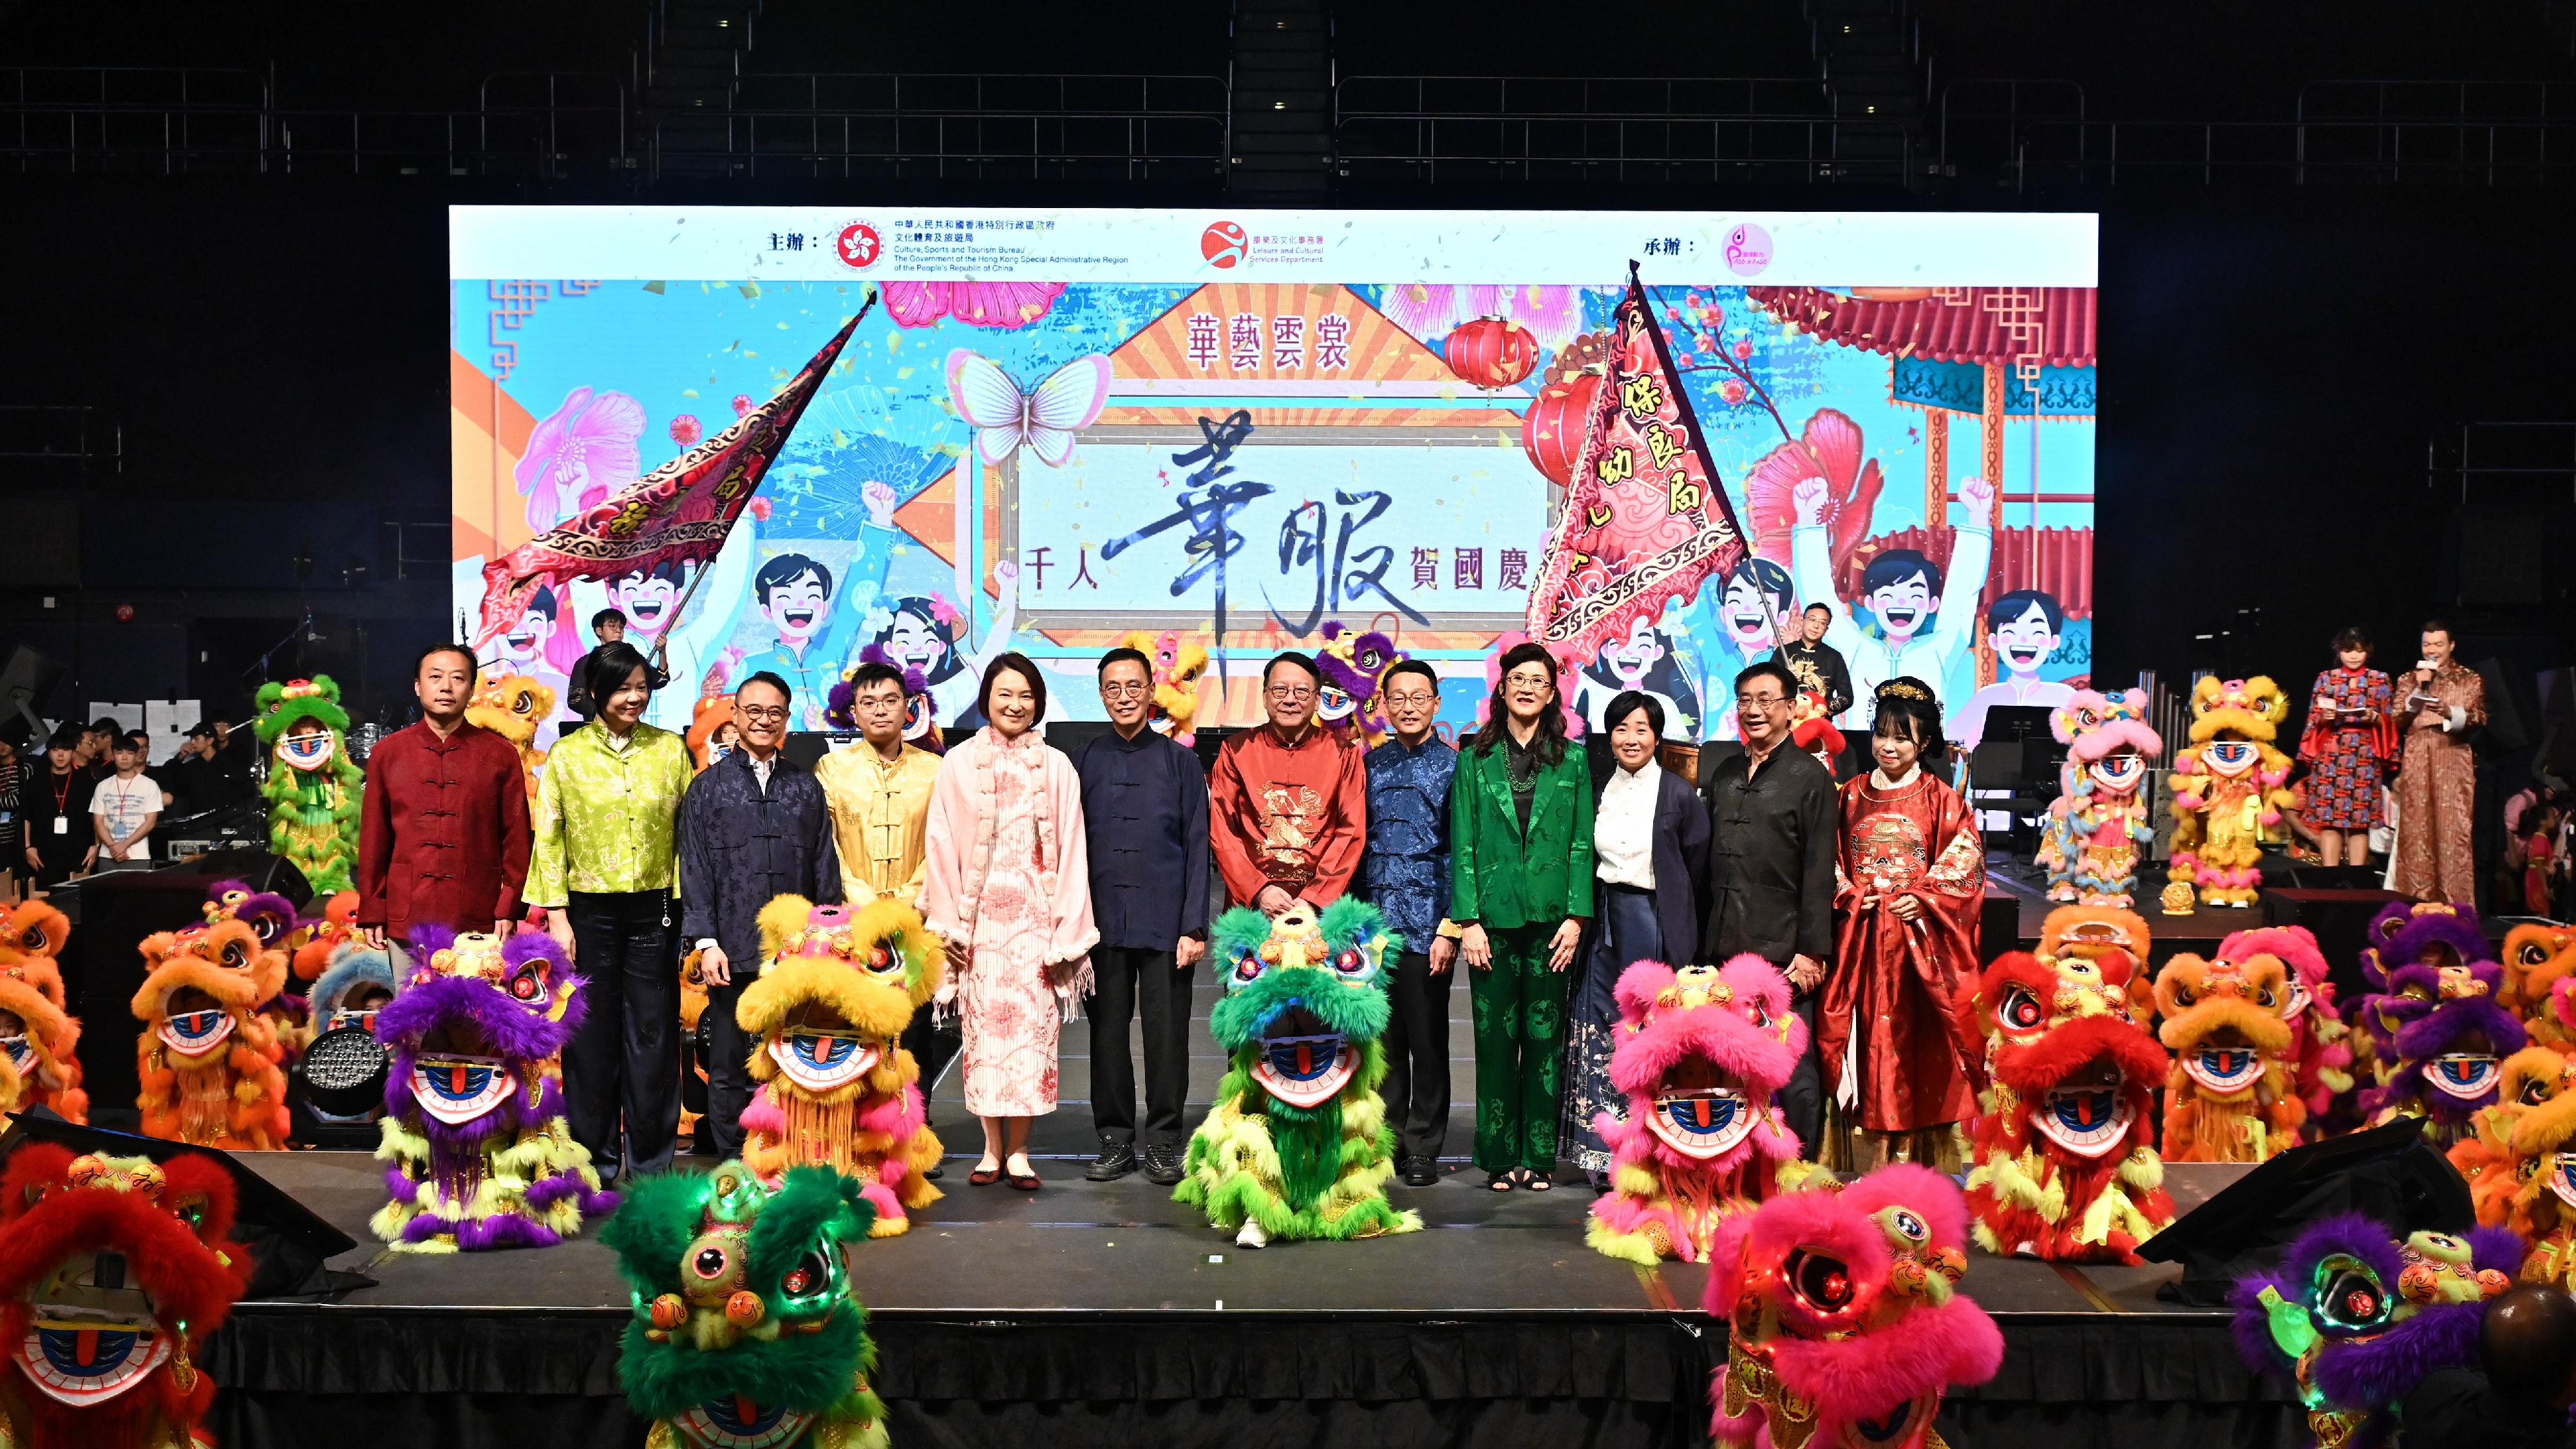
(662,641)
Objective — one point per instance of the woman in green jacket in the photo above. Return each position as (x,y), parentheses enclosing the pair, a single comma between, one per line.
(1520,842)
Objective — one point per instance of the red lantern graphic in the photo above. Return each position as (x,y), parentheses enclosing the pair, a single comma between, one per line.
(1552,429)
(1491,352)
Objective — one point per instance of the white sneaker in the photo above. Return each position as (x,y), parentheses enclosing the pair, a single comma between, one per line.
(1250,1235)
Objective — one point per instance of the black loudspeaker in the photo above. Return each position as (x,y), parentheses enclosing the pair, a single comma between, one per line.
(1998,926)
(2388,1173)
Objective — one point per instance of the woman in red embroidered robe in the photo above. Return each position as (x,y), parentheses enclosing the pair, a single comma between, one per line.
(1898,1031)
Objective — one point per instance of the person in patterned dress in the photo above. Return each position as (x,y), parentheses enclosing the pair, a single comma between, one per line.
(2349,743)
(1008,887)
(1901,1050)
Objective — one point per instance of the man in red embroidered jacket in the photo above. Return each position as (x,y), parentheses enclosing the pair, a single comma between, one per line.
(1288,802)
(443,825)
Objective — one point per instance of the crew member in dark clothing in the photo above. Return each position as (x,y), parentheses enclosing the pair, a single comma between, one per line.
(200,776)
(2518,1395)
(1773,817)
(55,837)
(753,826)
(1145,806)
(1816,665)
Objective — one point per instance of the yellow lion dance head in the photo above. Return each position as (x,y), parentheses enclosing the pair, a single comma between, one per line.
(2244,709)
(837,987)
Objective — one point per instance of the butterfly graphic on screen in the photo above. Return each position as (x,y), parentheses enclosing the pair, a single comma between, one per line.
(1045,418)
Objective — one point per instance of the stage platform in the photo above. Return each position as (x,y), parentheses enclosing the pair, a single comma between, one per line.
(1106,1313)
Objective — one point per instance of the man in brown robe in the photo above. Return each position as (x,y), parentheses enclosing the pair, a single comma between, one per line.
(2439,703)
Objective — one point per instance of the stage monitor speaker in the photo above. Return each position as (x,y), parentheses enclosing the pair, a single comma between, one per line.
(102,968)
(808,747)
(1070,735)
(289,1243)
(1206,740)
(2389,1174)
(25,683)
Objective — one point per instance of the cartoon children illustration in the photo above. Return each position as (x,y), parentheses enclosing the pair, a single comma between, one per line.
(650,599)
(2023,627)
(794,593)
(1642,661)
(1922,629)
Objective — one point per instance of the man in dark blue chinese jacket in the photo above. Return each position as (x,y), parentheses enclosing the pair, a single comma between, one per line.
(753,826)
(1145,813)
(1405,873)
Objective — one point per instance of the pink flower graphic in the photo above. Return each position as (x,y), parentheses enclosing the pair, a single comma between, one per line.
(685,430)
(978,304)
(579,456)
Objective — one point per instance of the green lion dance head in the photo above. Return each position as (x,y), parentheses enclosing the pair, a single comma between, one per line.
(748,1333)
(1304,1007)
(313,785)
(1297,1144)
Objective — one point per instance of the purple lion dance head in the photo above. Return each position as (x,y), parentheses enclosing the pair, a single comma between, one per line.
(2355,1319)
(474,1100)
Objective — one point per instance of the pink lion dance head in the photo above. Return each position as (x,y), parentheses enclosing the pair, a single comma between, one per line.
(2318,1046)
(1699,1053)
(1843,1323)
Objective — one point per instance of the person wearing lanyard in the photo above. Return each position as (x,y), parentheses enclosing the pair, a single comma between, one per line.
(602,867)
(56,829)
(879,794)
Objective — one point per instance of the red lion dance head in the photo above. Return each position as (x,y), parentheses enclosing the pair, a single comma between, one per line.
(1700,1052)
(2066,1166)
(1843,1325)
(113,1270)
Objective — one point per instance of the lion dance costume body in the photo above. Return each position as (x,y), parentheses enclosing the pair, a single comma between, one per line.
(2099,823)
(312,785)
(207,1058)
(113,1272)
(2520,1159)
(512,706)
(2320,1052)
(2355,1320)
(2065,1162)
(1354,670)
(2228,792)
(1699,1053)
(1844,1326)
(2230,1096)
(836,989)
(2445,1059)
(1297,1144)
(37,1030)
(475,1148)
(748,1330)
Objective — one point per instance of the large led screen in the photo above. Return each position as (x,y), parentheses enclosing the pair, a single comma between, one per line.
(1058,428)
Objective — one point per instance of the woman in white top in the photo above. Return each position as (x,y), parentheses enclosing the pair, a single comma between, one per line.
(1649,845)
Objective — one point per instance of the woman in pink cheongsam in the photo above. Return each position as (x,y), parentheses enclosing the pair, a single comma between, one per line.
(1008,887)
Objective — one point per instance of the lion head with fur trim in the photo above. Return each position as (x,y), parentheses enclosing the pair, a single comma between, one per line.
(38,1035)
(837,986)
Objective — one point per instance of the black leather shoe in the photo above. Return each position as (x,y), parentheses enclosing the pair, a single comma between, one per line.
(935,1171)
(1163,1163)
(1420,1172)
(1116,1160)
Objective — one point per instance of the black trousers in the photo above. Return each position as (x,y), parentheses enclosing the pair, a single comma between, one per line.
(1417,1056)
(1803,1100)
(932,1048)
(623,1066)
(1123,977)
(728,1065)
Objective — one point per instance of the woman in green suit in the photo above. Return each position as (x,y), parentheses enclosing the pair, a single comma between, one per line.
(1520,844)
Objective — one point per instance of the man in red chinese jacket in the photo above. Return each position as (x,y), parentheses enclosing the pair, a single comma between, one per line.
(1288,802)
(443,824)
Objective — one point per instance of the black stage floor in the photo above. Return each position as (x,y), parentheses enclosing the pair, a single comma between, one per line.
(1106,1313)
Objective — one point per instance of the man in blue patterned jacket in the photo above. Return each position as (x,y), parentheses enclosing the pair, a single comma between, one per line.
(753,826)
(1405,872)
